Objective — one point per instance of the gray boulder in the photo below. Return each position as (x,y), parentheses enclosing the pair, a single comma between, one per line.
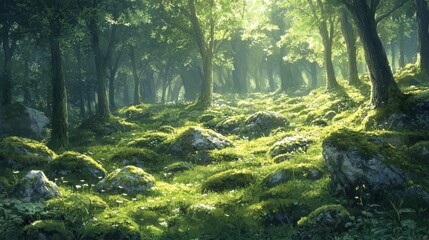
(261,123)
(19,120)
(198,139)
(130,179)
(308,172)
(36,187)
(354,161)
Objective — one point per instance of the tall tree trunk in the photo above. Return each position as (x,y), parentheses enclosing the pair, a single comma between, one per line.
(327,37)
(137,96)
(313,72)
(393,56)
(270,75)
(350,39)
(148,86)
(126,93)
(239,73)
(103,110)
(59,121)
(384,88)
(81,82)
(401,44)
(8,49)
(422,17)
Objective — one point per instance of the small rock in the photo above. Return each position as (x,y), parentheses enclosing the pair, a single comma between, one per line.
(198,139)
(300,172)
(228,180)
(130,179)
(319,122)
(36,187)
(47,229)
(261,123)
(289,145)
(330,115)
(178,167)
(328,216)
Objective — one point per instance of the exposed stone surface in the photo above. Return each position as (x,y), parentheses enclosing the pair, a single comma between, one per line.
(36,187)
(284,175)
(198,139)
(230,125)
(20,153)
(130,180)
(261,123)
(19,120)
(289,145)
(74,166)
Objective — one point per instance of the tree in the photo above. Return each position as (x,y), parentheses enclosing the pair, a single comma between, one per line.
(422,17)
(384,88)
(350,40)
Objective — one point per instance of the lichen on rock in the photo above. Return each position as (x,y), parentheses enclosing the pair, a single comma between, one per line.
(261,123)
(36,187)
(289,145)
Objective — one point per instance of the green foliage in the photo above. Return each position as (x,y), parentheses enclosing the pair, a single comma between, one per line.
(46,229)
(137,157)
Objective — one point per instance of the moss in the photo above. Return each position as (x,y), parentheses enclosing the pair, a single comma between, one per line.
(74,166)
(289,145)
(166,129)
(228,180)
(130,179)
(409,75)
(150,140)
(137,157)
(111,226)
(178,167)
(47,229)
(338,214)
(299,171)
(20,153)
(225,155)
(279,211)
(104,127)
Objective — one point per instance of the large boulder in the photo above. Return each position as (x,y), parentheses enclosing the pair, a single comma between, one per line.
(36,187)
(289,145)
(130,179)
(74,167)
(19,120)
(355,160)
(19,153)
(198,139)
(261,123)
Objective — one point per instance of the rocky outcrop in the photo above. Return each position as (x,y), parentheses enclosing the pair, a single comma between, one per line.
(130,179)
(19,120)
(36,187)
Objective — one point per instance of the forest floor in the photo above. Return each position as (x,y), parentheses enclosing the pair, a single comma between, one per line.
(227,193)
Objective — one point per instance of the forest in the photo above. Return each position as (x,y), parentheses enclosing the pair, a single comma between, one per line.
(214,119)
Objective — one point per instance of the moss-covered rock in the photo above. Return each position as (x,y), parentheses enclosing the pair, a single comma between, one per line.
(279,211)
(289,145)
(46,229)
(130,179)
(103,127)
(112,227)
(231,125)
(198,139)
(420,151)
(319,122)
(410,75)
(329,216)
(261,123)
(136,157)
(35,186)
(228,180)
(21,153)
(178,167)
(149,140)
(302,171)
(355,160)
(74,166)
(166,129)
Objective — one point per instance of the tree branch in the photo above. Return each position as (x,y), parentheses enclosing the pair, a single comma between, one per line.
(386,14)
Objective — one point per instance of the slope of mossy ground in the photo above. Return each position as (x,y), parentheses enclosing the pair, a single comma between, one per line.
(180,206)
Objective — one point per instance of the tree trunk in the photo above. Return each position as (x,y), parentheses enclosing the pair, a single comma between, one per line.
(81,83)
(59,122)
(239,73)
(137,96)
(270,76)
(422,17)
(313,72)
(327,37)
(8,49)
(26,92)
(401,44)
(393,56)
(148,86)
(384,89)
(103,110)
(350,39)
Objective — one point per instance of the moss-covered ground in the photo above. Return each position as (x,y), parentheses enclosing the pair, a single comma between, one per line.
(227,197)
